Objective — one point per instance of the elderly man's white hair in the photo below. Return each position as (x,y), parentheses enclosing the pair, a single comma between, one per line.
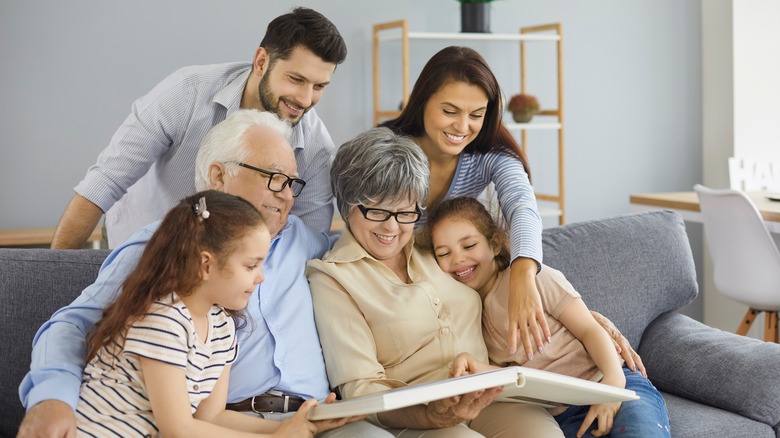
(226,142)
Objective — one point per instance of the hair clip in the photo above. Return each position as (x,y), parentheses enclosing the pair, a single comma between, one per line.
(200,209)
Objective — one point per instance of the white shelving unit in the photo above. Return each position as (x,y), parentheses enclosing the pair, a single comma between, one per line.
(549,33)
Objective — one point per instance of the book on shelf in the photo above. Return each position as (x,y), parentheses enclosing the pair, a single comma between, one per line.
(521,385)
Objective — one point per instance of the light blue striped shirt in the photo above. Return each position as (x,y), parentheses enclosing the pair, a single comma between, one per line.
(515,195)
(149,164)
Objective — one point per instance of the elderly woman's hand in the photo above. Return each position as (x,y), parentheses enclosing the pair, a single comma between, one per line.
(454,410)
(465,363)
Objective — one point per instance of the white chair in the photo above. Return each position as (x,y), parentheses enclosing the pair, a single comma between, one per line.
(745,258)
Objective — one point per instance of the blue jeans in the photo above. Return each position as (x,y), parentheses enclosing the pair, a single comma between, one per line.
(643,418)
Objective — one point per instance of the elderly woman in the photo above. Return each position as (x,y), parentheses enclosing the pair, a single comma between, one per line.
(387,315)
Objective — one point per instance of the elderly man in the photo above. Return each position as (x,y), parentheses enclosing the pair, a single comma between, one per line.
(148,165)
(281,360)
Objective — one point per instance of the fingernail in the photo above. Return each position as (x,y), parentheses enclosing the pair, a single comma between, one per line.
(549,339)
(531,356)
(512,350)
(541,349)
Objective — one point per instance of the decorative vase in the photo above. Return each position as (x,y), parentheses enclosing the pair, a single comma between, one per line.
(523,116)
(475,17)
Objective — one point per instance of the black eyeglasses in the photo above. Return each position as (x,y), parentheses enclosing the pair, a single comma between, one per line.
(277,181)
(379,215)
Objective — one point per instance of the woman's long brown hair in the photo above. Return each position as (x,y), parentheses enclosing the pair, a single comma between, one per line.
(171,259)
(459,64)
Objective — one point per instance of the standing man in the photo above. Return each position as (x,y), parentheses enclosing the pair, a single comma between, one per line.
(280,361)
(149,163)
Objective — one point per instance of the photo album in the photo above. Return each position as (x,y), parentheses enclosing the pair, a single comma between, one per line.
(521,385)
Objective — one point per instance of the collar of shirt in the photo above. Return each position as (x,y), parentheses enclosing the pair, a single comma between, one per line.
(347,249)
(230,96)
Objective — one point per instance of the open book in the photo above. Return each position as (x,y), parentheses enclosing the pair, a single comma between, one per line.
(521,384)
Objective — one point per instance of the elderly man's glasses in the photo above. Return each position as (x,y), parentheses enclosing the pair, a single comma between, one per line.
(379,215)
(278,181)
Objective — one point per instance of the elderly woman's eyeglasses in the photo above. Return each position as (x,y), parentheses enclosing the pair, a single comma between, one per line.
(277,181)
(380,215)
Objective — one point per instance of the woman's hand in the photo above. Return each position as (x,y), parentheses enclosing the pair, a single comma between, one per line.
(454,410)
(526,315)
(334,423)
(623,347)
(604,415)
(465,363)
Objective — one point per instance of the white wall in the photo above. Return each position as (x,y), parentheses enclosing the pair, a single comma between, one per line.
(740,113)
(70,70)
(756,72)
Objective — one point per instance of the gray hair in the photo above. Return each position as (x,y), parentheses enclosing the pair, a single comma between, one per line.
(226,142)
(378,166)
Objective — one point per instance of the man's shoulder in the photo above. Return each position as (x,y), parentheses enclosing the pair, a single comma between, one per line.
(224,72)
(311,133)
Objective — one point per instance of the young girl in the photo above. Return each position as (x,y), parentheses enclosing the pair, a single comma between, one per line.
(470,246)
(159,359)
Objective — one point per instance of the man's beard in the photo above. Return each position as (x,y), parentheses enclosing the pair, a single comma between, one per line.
(271,103)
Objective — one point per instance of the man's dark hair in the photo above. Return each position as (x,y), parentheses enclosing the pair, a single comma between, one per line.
(304,27)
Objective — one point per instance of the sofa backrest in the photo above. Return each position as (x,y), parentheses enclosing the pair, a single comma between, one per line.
(630,268)
(34,283)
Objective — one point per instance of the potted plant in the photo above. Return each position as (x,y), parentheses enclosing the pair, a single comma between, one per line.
(523,107)
(475,16)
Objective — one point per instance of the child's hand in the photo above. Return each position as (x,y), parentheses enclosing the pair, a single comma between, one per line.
(604,414)
(465,363)
(298,426)
(334,423)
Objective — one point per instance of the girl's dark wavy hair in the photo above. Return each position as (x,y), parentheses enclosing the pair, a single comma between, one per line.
(171,260)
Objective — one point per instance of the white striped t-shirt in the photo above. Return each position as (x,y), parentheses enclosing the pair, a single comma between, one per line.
(113,399)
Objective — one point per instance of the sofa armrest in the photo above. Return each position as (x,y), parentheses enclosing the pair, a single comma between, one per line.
(735,373)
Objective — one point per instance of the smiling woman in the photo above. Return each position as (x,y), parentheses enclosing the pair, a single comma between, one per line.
(407,320)
(454,115)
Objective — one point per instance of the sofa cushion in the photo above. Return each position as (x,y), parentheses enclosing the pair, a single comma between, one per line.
(631,268)
(731,372)
(34,283)
(689,419)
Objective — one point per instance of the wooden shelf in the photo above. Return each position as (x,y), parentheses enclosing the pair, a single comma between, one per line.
(39,237)
(523,126)
(471,36)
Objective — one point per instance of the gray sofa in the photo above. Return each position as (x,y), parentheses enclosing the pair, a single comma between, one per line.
(636,269)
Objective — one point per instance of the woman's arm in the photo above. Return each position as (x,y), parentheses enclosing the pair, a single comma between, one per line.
(518,204)
(526,315)
(167,390)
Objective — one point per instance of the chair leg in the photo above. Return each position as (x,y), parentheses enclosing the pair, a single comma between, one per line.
(747,321)
(770,326)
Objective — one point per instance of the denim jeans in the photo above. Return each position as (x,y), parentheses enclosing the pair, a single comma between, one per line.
(643,418)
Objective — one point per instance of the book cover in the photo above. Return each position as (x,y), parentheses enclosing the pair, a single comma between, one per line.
(521,385)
